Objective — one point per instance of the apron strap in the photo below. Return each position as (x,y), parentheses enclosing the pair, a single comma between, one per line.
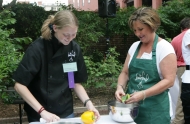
(154,52)
(153,48)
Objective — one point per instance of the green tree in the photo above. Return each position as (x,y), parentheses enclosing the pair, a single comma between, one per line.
(171,13)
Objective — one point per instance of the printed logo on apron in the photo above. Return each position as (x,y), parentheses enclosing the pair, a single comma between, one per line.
(141,77)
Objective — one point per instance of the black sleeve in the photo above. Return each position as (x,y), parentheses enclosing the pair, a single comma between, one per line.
(29,65)
(81,75)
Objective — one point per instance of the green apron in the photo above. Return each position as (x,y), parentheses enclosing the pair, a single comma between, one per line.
(143,74)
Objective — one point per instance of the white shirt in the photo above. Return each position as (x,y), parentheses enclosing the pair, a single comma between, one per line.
(163,49)
(186,55)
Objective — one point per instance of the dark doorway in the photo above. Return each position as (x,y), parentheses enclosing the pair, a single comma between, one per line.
(147,2)
(130,3)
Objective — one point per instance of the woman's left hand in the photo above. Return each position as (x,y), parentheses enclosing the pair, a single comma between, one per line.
(135,97)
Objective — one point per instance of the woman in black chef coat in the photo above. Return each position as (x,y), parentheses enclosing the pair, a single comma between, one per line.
(52,66)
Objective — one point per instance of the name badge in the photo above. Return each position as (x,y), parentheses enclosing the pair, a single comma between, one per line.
(70,68)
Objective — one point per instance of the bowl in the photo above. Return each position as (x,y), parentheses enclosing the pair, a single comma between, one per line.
(121,112)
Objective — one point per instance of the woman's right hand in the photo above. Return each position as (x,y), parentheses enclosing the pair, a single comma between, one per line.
(49,117)
(119,93)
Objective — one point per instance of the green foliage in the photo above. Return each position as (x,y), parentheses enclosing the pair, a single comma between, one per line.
(10,95)
(106,70)
(89,30)
(9,54)
(171,14)
(29,19)
(119,24)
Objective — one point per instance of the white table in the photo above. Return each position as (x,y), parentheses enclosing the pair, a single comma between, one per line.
(104,119)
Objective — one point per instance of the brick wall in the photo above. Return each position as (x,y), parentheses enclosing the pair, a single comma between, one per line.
(122,44)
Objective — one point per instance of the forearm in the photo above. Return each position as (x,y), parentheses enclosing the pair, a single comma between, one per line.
(122,80)
(123,77)
(81,92)
(27,96)
(159,87)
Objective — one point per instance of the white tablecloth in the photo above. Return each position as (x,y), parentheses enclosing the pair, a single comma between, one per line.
(104,119)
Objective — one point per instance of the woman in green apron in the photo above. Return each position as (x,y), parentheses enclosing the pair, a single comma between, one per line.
(149,70)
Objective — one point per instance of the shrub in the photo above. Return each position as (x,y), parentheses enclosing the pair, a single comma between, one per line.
(29,19)
(105,71)
(171,13)
(9,54)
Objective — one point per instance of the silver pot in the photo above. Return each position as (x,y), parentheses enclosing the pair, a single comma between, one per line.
(121,112)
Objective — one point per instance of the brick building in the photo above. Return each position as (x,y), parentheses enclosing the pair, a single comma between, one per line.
(92,5)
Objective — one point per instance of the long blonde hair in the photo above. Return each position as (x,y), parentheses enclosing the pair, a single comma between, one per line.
(61,19)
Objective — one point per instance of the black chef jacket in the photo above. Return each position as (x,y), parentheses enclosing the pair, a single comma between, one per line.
(41,71)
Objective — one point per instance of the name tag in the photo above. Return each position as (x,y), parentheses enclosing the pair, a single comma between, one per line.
(70,67)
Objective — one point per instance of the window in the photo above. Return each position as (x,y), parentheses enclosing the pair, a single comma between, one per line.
(83,2)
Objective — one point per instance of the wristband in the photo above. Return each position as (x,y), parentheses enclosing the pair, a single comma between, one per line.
(41,109)
(86,102)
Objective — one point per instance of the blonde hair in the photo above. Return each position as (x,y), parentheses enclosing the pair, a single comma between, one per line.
(145,15)
(61,19)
